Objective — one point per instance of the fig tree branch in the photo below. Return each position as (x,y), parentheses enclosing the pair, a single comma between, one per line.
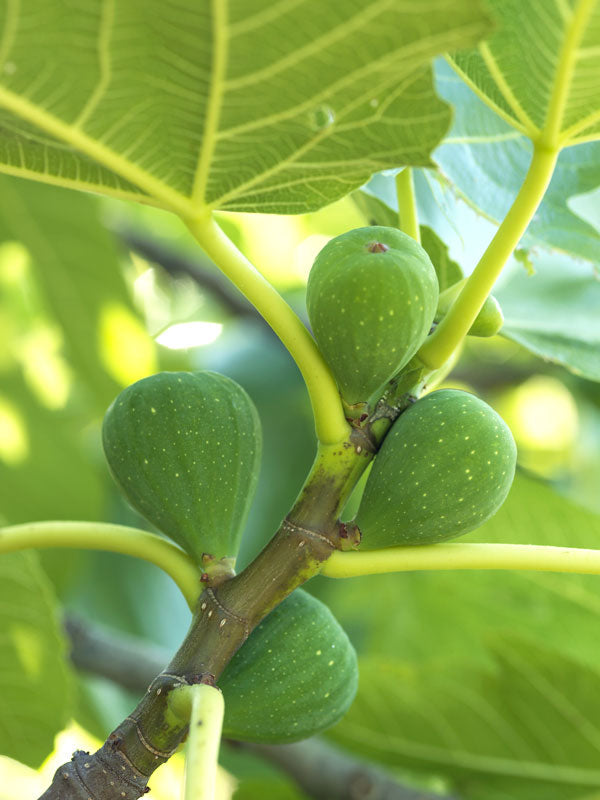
(224,617)
(326,773)
(127,661)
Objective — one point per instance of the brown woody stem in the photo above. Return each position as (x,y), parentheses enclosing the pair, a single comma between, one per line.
(223,619)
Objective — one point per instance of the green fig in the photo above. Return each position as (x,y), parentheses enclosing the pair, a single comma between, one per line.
(445,467)
(488,322)
(371,298)
(185,449)
(295,676)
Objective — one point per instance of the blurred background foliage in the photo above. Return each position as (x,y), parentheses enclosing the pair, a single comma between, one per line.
(95,294)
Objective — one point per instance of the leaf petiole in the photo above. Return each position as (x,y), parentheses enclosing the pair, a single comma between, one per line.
(201,704)
(113,538)
(451,331)
(538,558)
(329,416)
(407,206)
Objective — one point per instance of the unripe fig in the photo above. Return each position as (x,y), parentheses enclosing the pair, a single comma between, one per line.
(490,319)
(295,676)
(444,468)
(185,449)
(488,322)
(371,299)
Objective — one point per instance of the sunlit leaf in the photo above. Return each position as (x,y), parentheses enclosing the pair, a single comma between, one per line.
(486,161)
(539,70)
(247,105)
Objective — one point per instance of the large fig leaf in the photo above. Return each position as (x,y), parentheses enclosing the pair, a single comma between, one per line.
(185,449)
(538,75)
(295,676)
(248,106)
(526,729)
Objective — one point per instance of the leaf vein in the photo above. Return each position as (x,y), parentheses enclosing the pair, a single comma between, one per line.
(215,99)
(396,745)
(564,75)
(78,183)
(318,45)
(131,172)
(267,15)
(505,90)
(104,63)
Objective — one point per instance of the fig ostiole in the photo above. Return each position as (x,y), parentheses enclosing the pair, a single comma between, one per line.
(371,299)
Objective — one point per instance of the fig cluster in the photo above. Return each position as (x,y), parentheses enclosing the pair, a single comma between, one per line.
(185,449)
(448,462)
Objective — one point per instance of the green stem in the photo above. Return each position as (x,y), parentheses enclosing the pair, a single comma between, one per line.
(114,538)
(454,327)
(407,205)
(202,753)
(539,558)
(330,422)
